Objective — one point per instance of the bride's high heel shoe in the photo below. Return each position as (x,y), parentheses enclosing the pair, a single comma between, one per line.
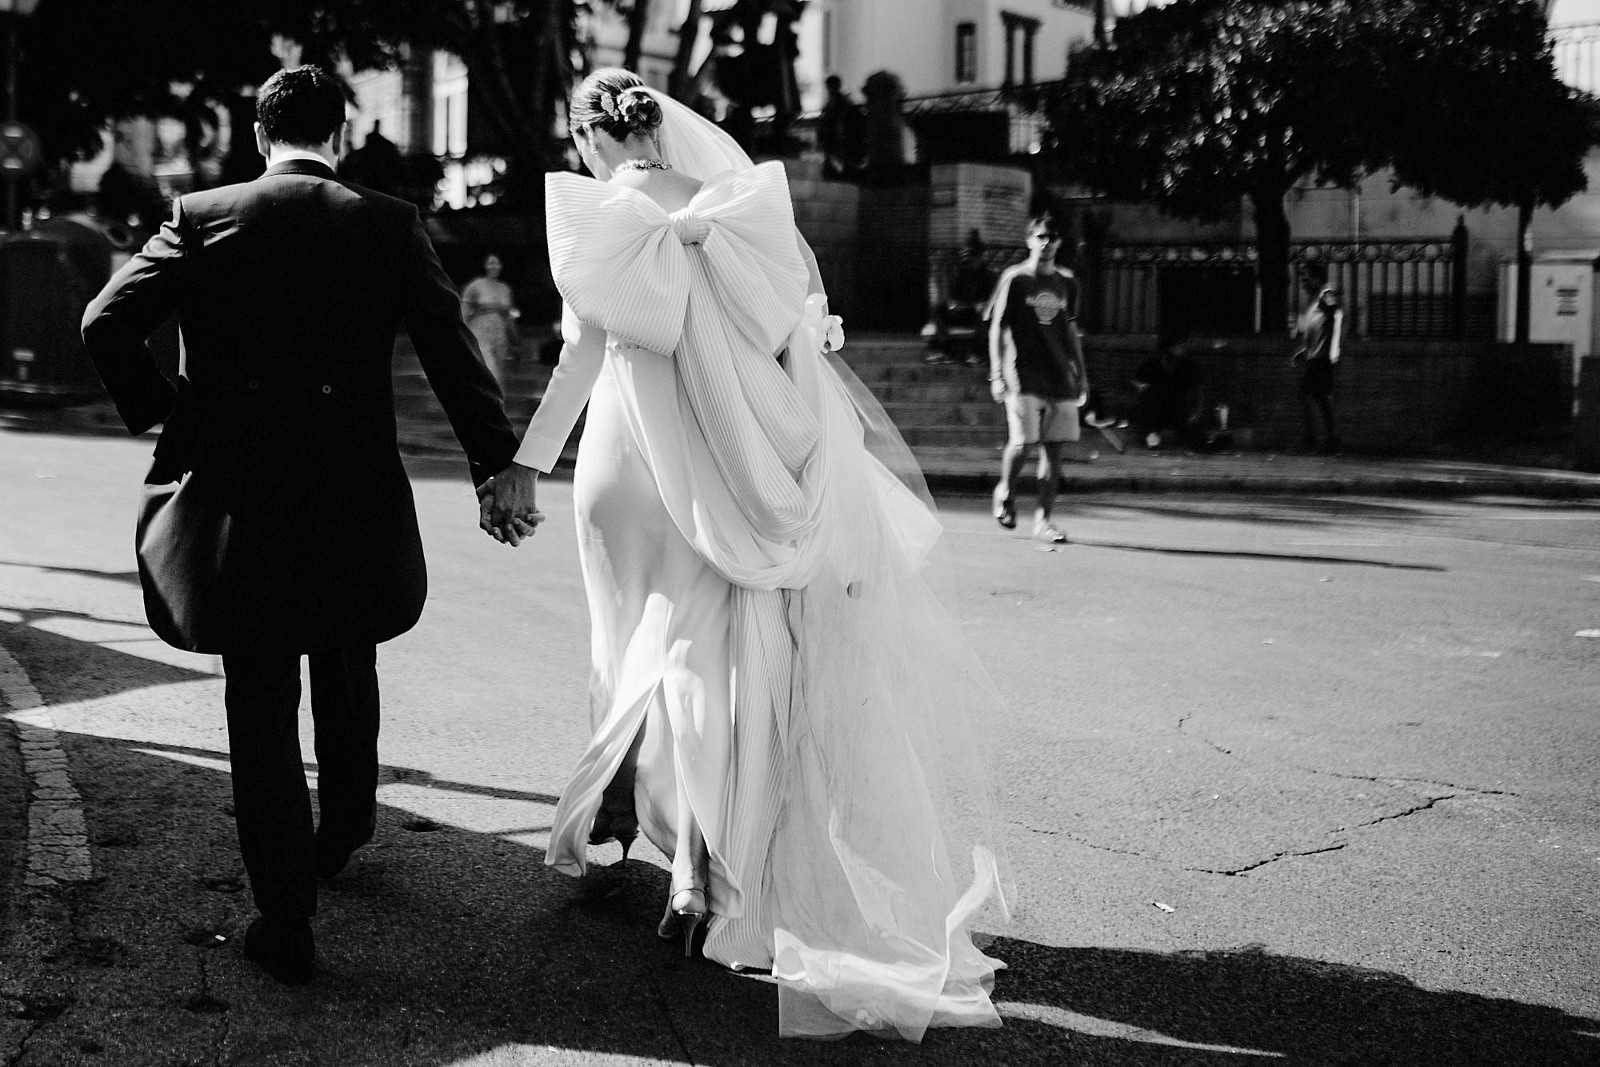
(686,910)
(623,829)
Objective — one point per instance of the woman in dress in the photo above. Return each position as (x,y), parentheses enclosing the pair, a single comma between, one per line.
(779,700)
(487,305)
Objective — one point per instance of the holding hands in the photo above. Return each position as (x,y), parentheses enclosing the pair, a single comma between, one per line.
(506,508)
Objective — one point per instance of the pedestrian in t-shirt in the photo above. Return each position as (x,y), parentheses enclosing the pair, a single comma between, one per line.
(1036,370)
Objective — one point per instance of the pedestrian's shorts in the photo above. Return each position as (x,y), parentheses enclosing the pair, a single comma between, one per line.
(1318,378)
(1032,420)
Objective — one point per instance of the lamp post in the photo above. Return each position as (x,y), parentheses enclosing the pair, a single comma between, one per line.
(19,146)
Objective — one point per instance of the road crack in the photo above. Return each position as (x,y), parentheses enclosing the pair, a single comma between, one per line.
(672,1024)
(1085,842)
(1393,779)
(1239,871)
(1408,811)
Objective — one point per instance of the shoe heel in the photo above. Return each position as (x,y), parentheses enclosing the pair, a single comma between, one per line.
(691,923)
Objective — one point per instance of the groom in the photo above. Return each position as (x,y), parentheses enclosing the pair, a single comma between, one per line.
(289,291)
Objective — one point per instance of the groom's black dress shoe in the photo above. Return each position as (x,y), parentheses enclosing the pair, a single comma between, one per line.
(332,853)
(283,949)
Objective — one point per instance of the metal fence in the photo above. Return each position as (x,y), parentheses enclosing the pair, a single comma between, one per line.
(1390,289)
(1412,289)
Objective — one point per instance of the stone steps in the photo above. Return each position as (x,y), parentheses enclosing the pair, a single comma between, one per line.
(936,406)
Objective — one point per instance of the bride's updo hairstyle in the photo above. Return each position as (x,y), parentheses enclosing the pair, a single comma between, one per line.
(614,100)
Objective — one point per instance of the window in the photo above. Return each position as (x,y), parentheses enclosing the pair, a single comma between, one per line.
(1019,47)
(966,53)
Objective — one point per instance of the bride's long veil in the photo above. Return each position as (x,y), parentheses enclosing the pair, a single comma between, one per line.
(885,847)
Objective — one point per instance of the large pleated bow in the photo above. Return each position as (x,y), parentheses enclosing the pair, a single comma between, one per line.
(720,285)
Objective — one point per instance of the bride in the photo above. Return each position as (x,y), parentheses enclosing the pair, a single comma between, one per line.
(779,700)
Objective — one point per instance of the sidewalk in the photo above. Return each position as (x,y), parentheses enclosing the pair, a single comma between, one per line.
(973,469)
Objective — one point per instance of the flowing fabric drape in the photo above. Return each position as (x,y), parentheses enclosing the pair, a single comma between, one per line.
(853,844)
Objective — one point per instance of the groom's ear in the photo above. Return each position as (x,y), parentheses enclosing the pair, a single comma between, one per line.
(340,137)
(262,144)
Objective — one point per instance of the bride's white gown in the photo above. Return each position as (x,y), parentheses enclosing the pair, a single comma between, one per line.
(752,576)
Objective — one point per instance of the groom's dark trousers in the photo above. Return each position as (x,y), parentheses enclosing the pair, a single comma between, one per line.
(289,292)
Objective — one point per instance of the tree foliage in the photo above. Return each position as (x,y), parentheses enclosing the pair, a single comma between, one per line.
(86,63)
(1484,119)
(188,58)
(1200,103)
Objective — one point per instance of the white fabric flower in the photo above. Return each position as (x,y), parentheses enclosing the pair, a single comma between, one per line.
(832,331)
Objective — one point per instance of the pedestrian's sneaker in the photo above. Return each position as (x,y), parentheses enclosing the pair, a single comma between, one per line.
(1049,533)
(1005,512)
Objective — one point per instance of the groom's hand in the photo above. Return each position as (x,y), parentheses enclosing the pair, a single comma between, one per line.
(506,505)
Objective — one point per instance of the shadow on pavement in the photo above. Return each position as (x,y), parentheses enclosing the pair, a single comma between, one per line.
(1281,557)
(126,577)
(444,947)
(448,947)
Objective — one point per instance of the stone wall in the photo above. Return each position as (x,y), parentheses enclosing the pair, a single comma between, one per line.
(1391,396)
(892,258)
(827,214)
(962,197)
(1586,432)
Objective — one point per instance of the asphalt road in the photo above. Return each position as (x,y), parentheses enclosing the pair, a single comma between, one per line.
(1296,780)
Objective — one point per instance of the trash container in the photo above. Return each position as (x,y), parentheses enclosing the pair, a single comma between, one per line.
(48,275)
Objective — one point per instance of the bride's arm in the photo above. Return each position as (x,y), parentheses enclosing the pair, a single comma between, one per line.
(806,254)
(582,354)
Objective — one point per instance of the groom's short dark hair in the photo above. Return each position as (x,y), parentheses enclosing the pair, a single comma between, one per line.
(300,106)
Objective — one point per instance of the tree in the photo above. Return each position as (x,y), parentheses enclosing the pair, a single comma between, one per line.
(1518,144)
(1200,103)
(190,57)
(181,57)
(637,13)
(680,83)
(521,54)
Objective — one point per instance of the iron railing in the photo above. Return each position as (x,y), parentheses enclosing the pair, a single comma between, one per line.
(1412,288)
(1395,288)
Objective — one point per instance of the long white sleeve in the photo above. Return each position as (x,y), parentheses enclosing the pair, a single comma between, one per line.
(583,353)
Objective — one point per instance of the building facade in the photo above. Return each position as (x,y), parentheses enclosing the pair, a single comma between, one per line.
(941,46)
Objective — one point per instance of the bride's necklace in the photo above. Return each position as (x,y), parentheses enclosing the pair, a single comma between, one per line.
(641,164)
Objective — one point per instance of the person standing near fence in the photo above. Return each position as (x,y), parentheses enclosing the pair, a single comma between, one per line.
(1320,332)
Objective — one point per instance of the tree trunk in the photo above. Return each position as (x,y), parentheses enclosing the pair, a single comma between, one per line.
(680,86)
(638,23)
(1524,270)
(1272,258)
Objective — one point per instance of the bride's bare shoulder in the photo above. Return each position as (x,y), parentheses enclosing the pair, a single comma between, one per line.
(669,188)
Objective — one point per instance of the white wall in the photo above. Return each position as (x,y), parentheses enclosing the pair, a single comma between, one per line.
(916,39)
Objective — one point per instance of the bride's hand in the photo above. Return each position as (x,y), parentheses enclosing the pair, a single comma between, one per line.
(506,505)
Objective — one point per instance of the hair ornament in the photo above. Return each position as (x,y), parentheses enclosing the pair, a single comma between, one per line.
(638,109)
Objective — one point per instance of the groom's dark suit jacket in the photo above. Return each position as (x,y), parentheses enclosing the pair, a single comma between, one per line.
(289,291)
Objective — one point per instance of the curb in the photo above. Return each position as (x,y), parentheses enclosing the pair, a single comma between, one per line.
(58,837)
(1399,485)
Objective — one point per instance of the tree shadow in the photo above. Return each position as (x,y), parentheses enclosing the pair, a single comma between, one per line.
(1299,1010)
(1245,554)
(446,947)
(126,577)
(449,947)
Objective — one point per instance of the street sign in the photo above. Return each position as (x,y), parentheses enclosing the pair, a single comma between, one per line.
(19,151)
